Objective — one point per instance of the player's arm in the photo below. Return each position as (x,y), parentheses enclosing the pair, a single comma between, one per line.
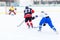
(32,11)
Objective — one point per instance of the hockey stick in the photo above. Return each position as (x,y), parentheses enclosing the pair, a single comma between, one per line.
(21,23)
(24,20)
(35,27)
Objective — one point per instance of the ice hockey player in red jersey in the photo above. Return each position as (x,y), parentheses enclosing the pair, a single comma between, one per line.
(28,16)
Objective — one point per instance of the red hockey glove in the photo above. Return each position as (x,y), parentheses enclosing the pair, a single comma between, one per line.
(32,11)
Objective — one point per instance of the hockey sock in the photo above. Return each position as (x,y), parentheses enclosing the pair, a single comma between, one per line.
(54,29)
(40,28)
(28,25)
(31,25)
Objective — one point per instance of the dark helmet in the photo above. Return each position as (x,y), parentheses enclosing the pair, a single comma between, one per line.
(26,7)
(42,11)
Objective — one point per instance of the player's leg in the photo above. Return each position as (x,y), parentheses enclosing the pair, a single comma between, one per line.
(50,24)
(10,12)
(41,23)
(26,21)
(30,21)
(14,12)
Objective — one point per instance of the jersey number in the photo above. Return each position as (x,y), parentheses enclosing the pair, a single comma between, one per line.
(27,10)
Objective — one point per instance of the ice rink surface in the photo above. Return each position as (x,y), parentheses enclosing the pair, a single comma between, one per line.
(10,31)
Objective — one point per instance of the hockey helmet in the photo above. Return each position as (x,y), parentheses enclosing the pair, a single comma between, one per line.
(26,7)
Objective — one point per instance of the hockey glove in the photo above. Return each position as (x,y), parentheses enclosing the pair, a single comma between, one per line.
(44,24)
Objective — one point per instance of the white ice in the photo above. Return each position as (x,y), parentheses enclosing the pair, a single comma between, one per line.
(10,31)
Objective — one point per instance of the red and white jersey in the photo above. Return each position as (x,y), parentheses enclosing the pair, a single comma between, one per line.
(28,12)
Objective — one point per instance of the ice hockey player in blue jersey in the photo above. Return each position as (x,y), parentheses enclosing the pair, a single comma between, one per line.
(46,20)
